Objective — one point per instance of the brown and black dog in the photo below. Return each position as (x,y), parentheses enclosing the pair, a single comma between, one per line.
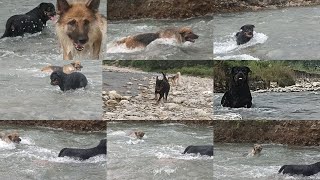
(10,137)
(162,88)
(80,29)
(68,69)
(181,35)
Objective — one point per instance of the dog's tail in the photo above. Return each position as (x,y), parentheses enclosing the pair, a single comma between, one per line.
(186,150)
(164,76)
(8,31)
(281,169)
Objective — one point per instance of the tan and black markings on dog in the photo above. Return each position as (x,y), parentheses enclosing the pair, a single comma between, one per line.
(69,68)
(175,80)
(10,137)
(80,29)
(181,35)
(256,150)
(136,134)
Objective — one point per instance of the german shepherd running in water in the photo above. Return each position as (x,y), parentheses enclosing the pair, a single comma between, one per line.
(80,29)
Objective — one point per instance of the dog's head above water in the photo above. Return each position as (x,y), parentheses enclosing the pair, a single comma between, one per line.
(248,30)
(240,74)
(188,34)
(77,65)
(56,78)
(48,10)
(77,19)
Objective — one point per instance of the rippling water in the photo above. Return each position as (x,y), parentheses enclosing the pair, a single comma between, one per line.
(158,154)
(36,157)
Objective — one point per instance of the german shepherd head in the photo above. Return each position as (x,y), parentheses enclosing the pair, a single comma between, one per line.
(77,20)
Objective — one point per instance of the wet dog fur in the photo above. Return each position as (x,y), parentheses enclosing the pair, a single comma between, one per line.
(32,22)
(245,34)
(305,170)
(68,81)
(162,88)
(202,150)
(12,137)
(68,69)
(80,29)
(83,154)
(181,35)
(137,134)
(256,150)
(175,79)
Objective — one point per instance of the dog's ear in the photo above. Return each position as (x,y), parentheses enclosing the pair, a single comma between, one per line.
(73,63)
(93,5)
(10,137)
(248,69)
(62,6)
(242,27)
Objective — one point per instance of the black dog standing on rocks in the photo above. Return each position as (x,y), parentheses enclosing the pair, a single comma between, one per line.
(238,94)
(202,150)
(305,170)
(245,34)
(83,154)
(32,22)
(162,88)
(68,81)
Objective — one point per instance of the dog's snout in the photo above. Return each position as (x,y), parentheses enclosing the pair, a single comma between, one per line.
(82,40)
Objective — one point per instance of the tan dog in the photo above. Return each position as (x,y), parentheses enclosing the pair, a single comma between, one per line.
(68,69)
(142,40)
(10,137)
(80,29)
(175,80)
(136,134)
(257,148)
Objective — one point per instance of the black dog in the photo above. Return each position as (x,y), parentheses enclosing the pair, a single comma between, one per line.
(202,150)
(245,34)
(68,81)
(238,94)
(305,170)
(32,22)
(162,88)
(84,154)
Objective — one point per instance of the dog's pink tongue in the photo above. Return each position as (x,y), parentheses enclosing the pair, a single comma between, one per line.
(53,18)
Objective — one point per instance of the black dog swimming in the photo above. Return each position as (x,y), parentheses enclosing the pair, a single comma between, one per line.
(83,154)
(162,88)
(238,94)
(32,22)
(68,81)
(305,170)
(245,34)
(202,150)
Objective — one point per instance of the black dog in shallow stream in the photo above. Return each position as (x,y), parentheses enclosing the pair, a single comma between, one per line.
(305,170)
(162,88)
(202,150)
(32,22)
(68,81)
(245,34)
(238,94)
(83,154)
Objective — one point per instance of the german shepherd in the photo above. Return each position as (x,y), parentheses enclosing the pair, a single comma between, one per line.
(80,29)
(175,79)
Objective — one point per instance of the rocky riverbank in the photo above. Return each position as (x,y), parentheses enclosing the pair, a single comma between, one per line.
(173,9)
(300,133)
(72,125)
(298,87)
(190,100)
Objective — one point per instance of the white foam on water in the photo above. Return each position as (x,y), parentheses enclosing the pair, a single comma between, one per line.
(236,57)
(27,141)
(166,169)
(4,145)
(121,48)
(135,141)
(228,116)
(116,133)
(229,43)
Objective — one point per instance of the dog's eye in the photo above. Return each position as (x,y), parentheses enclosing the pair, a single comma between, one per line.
(86,22)
(72,23)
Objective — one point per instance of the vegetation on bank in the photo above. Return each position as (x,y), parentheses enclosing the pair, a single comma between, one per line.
(263,72)
(193,68)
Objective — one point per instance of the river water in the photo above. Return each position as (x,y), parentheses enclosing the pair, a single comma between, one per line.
(36,157)
(232,163)
(282,34)
(273,106)
(161,49)
(158,154)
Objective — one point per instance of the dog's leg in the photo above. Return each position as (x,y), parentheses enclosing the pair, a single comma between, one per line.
(161,96)
(67,56)
(96,49)
(249,104)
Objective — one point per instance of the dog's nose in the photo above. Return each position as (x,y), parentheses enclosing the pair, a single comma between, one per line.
(82,40)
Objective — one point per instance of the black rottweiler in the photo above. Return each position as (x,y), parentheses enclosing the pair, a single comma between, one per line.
(238,94)
(32,22)
(305,170)
(202,150)
(68,81)
(162,88)
(83,154)
(245,34)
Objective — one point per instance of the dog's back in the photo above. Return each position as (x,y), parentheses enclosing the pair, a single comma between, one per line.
(75,80)
(202,150)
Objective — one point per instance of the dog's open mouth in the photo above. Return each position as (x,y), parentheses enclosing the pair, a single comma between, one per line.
(54,83)
(191,39)
(249,34)
(79,47)
(50,15)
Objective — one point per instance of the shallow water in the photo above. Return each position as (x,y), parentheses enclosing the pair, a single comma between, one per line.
(36,157)
(231,162)
(273,106)
(161,49)
(158,154)
(288,34)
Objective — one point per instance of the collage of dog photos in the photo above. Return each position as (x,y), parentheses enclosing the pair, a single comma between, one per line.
(159,89)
